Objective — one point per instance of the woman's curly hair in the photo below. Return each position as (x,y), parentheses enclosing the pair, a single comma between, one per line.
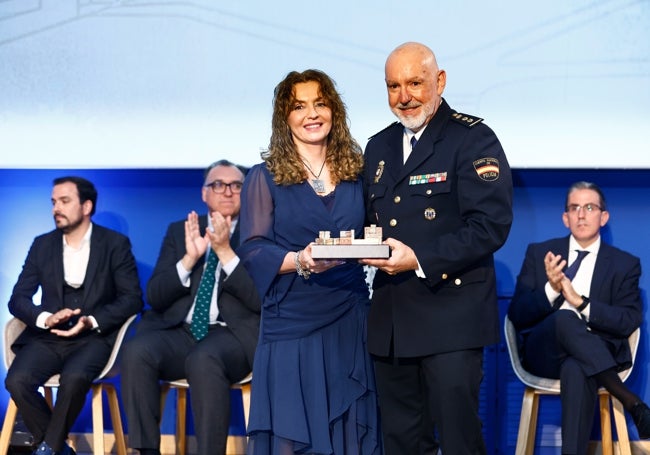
(344,156)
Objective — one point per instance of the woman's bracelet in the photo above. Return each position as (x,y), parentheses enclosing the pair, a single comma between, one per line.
(303,272)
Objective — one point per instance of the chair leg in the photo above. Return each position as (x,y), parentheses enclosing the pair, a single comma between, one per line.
(605,423)
(98,419)
(164,390)
(181,414)
(527,423)
(621,428)
(246,401)
(47,393)
(8,427)
(116,419)
(246,404)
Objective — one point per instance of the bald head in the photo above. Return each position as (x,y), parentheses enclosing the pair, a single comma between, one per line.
(415,52)
(415,84)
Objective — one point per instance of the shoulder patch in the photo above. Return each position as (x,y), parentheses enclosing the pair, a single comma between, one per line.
(466,119)
(381,131)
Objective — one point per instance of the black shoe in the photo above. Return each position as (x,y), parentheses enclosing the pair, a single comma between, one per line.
(45,449)
(641,416)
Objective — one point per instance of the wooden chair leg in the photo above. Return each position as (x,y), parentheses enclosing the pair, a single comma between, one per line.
(621,428)
(605,424)
(181,421)
(527,423)
(98,419)
(47,393)
(164,390)
(8,427)
(246,402)
(116,419)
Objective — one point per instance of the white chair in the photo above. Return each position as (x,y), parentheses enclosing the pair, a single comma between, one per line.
(13,328)
(536,386)
(181,386)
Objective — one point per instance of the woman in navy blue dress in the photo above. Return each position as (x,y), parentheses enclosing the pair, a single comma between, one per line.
(313,382)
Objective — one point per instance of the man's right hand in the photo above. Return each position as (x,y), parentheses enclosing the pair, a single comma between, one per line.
(554,266)
(195,244)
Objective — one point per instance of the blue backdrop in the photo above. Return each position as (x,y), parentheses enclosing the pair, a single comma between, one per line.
(141,203)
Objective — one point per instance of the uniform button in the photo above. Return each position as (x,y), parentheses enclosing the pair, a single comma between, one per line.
(397,199)
(393,222)
(444,276)
(372,196)
(457,281)
(428,192)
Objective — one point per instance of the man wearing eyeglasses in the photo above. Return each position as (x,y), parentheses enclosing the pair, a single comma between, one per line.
(574,321)
(203,323)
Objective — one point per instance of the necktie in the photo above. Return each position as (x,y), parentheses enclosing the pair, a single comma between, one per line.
(407,153)
(201,315)
(571,271)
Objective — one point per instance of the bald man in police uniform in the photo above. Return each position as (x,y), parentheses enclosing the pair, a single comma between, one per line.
(439,185)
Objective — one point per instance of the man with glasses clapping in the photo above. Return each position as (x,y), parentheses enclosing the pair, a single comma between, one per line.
(574,321)
(203,323)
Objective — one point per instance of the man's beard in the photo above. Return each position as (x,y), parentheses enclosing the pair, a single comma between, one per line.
(416,122)
(67,228)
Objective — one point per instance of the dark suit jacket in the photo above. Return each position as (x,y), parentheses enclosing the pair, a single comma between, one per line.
(615,308)
(111,288)
(239,304)
(454,225)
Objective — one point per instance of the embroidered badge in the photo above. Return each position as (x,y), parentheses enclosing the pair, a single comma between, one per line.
(379,171)
(429,213)
(427,178)
(487,168)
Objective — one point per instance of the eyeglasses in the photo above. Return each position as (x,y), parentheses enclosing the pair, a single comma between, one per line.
(219,187)
(575,208)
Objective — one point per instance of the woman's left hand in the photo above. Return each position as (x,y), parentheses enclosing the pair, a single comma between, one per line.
(317,265)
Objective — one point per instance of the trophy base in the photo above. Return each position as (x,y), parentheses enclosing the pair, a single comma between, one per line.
(354,251)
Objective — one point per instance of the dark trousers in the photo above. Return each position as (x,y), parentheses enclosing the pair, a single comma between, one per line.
(79,361)
(442,388)
(210,367)
(561,347)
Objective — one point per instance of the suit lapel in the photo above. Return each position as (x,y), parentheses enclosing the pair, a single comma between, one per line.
(393,156)
(57,263)
(197,271)
(601,269)
(97,241)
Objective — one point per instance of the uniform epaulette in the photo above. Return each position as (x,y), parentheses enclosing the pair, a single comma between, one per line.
(466,119)
(382,130)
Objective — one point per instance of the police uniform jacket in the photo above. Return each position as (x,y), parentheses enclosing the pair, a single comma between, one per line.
(451,202)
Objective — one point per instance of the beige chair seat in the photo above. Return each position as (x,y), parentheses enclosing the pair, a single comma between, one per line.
(536,386)
(13,328)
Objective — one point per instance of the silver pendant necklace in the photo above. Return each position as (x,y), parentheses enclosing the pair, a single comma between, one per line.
(316,182)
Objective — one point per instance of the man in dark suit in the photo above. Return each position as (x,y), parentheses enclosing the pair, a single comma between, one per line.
(574,322)
(439,185)
(169,345)
(89,284)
